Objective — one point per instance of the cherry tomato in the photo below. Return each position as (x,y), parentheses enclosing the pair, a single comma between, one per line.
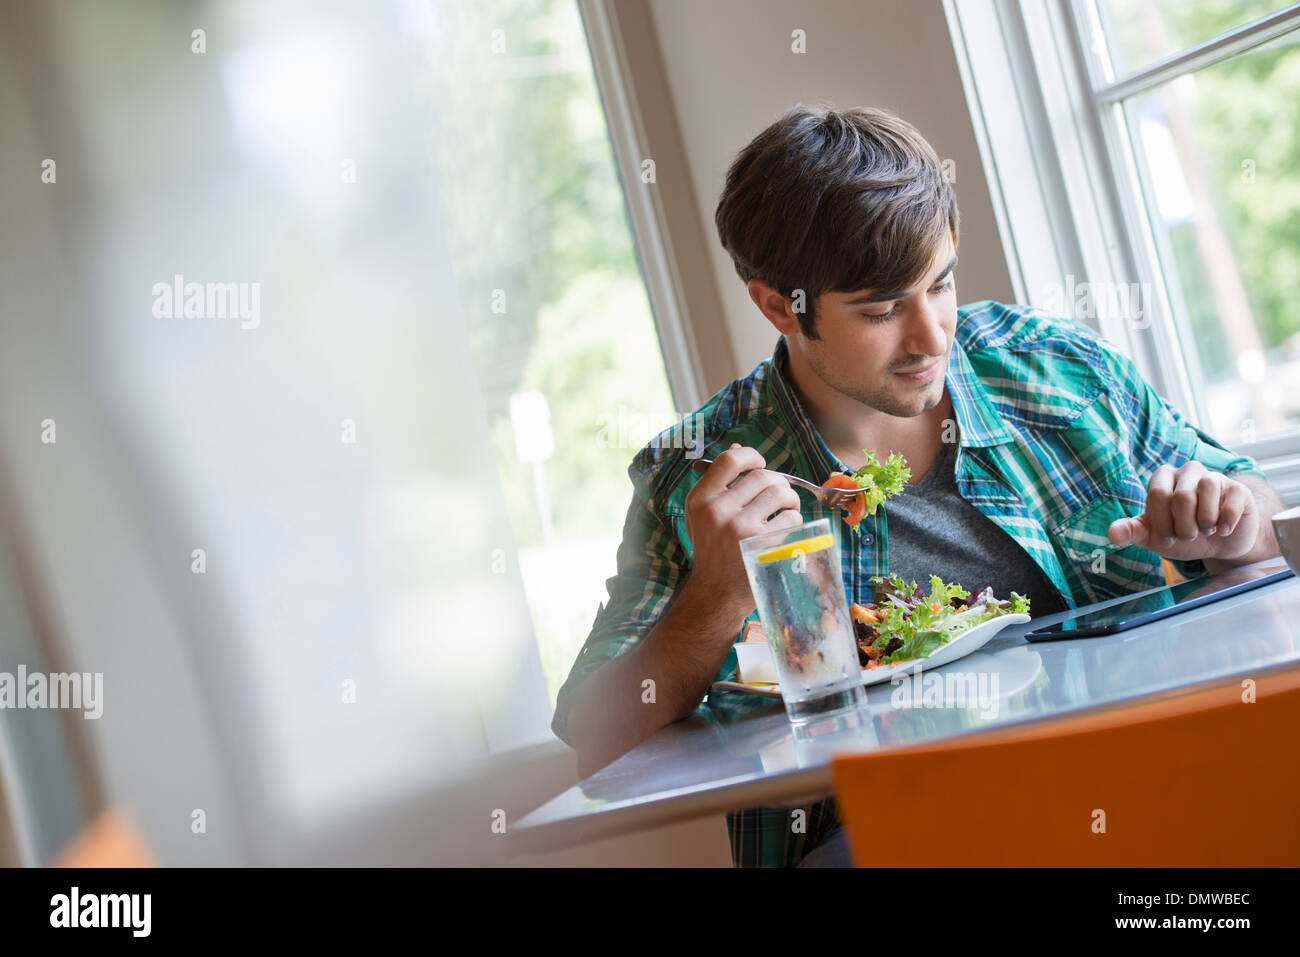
(858,507)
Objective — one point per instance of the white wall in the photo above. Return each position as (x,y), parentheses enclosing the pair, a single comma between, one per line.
(731,71)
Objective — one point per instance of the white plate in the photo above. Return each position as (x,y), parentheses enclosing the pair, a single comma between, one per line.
(964,644)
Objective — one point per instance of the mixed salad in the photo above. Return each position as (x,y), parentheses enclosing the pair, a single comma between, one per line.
(902,622)
(881,480)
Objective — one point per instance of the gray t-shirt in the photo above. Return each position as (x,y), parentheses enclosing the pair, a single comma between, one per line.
(934,531)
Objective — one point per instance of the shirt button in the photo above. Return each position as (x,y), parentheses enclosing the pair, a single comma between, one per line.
(868,539)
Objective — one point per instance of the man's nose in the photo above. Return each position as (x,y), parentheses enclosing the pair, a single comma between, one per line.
(927,333)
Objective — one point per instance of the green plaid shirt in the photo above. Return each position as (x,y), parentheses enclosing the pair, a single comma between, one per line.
(1058,436)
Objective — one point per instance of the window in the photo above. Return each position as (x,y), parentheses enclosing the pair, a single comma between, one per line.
(563,337)
(1155,143)
(1140,32)
(1217,139)
(272,518)
(372,319)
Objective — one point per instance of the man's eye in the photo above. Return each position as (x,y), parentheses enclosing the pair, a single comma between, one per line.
(885,316)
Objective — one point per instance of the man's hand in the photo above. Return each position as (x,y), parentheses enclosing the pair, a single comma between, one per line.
(1192,513)
(681,654)
(719,514)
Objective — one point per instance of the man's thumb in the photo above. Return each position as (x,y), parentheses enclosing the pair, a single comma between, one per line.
(1129,531)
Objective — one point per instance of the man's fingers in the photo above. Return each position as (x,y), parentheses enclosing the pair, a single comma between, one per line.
(1184,507)
(1235,502)
(1210,492)
(1159,492)
(1183,501)
(786,518)
(726,468)
(746,490)
(772,499)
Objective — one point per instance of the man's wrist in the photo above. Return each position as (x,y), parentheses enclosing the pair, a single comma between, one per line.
(610,713)
(1266,546)
(710,608)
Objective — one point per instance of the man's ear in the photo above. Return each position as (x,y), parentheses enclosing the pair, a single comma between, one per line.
(774,306)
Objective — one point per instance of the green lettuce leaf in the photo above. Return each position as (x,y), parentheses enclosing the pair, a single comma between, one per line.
(943,592)
(881,480)
(921,644)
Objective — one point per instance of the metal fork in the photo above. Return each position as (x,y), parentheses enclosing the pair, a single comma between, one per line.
(829,497)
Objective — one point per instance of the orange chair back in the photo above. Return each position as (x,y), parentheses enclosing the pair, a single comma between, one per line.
(109,841)
(1200,778)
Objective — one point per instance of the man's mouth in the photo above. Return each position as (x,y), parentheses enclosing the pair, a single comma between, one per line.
(920,374)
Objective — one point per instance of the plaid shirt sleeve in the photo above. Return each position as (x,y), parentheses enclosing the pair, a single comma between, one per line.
(651,564)
(1160,435)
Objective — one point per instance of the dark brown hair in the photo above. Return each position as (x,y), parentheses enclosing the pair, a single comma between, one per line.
(835,201)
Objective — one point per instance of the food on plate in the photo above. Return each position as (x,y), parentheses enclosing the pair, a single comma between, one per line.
(902,622)
(881,481)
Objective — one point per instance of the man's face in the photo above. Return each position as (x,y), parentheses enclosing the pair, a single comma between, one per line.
(873,341)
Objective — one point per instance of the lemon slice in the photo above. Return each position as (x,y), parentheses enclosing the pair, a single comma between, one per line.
(805,546)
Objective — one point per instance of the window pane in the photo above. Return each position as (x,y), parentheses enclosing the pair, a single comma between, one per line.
(1140,32)
(287,425)
(1220,148)
(563,337)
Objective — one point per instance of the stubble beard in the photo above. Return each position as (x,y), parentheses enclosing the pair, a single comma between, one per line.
(890,402)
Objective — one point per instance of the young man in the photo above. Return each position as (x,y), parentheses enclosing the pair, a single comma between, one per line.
(1034,446)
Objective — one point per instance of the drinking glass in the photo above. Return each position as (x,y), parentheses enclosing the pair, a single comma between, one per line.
(795,576)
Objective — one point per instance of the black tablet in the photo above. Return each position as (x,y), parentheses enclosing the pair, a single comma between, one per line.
(1158,603)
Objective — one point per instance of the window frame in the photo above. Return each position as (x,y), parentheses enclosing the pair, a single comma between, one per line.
(672,241)
(1058,151)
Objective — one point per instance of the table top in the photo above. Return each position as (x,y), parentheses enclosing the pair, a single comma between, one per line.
(746,753)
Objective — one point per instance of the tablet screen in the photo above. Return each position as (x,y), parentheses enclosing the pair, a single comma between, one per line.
(1161,602)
